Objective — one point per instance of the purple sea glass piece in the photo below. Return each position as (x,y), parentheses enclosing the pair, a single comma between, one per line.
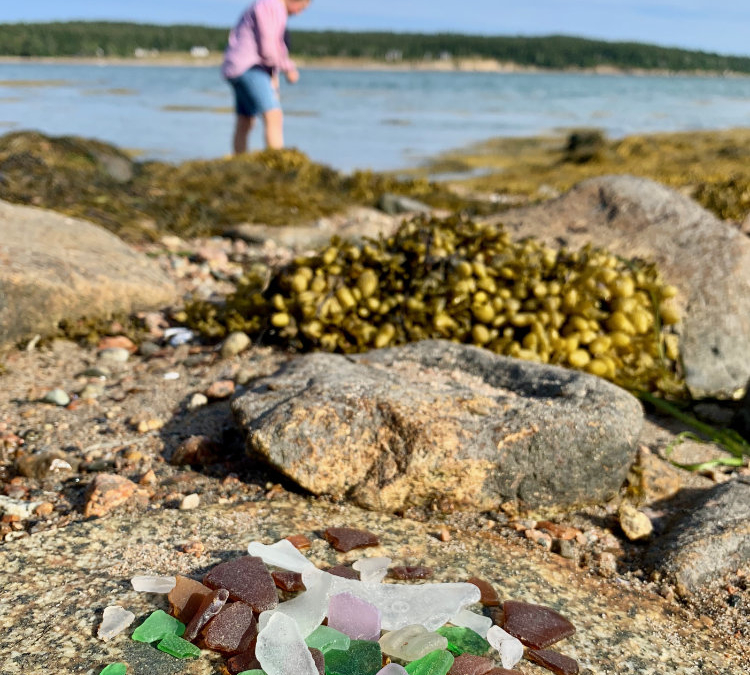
(354,617)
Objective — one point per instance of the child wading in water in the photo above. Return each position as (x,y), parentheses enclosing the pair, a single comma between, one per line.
(255,55)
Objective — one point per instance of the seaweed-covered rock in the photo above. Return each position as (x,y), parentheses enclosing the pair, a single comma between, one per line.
(436,419)
(707,259)
(54,268)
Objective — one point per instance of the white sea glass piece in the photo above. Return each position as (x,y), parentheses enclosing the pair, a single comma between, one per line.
(307,609)
(151,584)
(281,554)
(372,570)
(393,669)
(411,642)
(477,622)
(114,620)
(510,648)
(281,649)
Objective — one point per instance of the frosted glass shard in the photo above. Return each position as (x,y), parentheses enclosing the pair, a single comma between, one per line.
(477,622)
(411,642)
(114,620)
(430,605)
(309,608)
(510,648)
(325,639)
(281,649)
(354,617)
(372,570)
(393,669)
(152,584)
(281,554)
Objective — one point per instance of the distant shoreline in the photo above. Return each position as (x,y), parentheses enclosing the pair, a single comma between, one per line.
(329,63)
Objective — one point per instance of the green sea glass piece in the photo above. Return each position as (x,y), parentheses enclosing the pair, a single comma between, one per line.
(438,662)
(325,639)
(156,626)
(176,646)
(463,640)
(115,669)
(252,672)
(362,658)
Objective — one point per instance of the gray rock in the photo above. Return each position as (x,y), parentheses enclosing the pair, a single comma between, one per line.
(53,267)
(707,259)
(713,539)
(402,426)
(394,204)
(57,583)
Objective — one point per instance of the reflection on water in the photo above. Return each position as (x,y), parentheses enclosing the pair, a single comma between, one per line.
(357,119)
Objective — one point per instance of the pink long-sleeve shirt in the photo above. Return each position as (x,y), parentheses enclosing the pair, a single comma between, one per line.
(258,40)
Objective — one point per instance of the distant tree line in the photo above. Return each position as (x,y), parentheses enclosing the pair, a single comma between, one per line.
(554,51)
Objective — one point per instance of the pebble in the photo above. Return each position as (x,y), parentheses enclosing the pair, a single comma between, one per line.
(106,492)
(57,397)
(151,424)
(190,501)
(220,389)
(91,391)
(634,523)
(197,401)
(117,342)
(114,355)
(45,464)
(234,344)
(17,508)
(538,537)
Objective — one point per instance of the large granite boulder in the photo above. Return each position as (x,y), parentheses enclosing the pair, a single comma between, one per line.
(436,419)
(53,267)
(706,258)
(57,583)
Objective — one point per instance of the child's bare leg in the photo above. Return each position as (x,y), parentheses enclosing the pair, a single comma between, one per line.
(274,123)
(241,131)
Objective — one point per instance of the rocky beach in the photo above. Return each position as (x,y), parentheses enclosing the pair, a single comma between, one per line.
(132,443)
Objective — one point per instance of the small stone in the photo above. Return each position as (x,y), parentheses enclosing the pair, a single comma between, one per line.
(186,597)
(117,342)
(220,389)
(106,492)
(153,584)
(114,669)
(464,640)
(362,658)
(91,392)
(44,509)
(232,630)
(150,424)
(509,647)
(45,465)
(148,478)
(288,581)
(411,572)
(247,579)
(115,619)
(179,648)
(196,450)
(197,400)
(210,607)
(156,626)
(489,597)
(411,642)
(606,563)
(444,534)
(114,355)
(235,343)
(346,538)
(372,570)
(354,617)
(554,661)
(557,531)
(191,501)
(535,625)
(634,523)
(299,541)
(15,510)
(325,638)
(438,662)
(538,537)
(57,397)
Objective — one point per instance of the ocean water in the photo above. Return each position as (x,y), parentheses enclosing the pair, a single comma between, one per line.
(352,119)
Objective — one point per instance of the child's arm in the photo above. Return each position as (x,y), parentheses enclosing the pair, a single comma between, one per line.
(271,22)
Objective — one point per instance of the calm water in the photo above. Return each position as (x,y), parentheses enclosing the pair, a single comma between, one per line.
(355,119)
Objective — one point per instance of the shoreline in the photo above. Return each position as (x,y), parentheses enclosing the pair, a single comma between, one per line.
(468,65)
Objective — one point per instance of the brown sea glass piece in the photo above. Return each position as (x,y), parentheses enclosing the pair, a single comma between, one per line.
(347,538)
(489,596)
(554,661)
(232,630)
(344,571)
(468,664)
(502,671)
(299,541)
(243,661)
(288,581)
(319,659)
(407,572)
(535,625)
(248,580)
(186,597)
(210,607)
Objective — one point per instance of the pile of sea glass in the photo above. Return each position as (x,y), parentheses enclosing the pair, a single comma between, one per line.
(342,621)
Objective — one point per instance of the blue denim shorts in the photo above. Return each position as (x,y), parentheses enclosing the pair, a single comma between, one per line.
(253,93)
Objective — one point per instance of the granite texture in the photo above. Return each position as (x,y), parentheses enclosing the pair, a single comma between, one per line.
(56,585)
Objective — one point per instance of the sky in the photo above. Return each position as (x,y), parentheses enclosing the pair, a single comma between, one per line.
(721,26)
